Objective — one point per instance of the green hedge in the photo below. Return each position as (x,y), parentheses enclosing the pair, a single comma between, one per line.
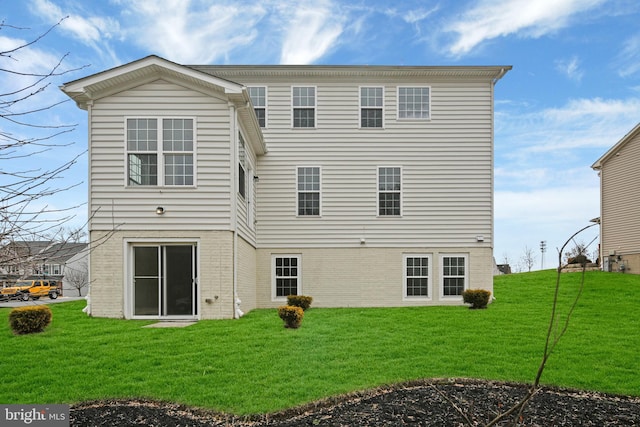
(29,319)
(478,298)
(291,315)
(304,302)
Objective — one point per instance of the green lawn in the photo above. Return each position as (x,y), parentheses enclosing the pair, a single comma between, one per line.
(255,365)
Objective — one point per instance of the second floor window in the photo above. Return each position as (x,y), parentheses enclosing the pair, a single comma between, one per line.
(258,97)
(308,191)
(242,167)
(304,106)
(160,152)
(371,107)
(389,191)
(414,103)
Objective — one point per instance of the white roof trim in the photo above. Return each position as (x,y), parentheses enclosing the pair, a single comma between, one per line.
(598,164)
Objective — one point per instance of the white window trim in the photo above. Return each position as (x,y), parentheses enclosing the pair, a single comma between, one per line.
(429,296)
(360,107)
(127,250)
(410,119)
(275,298)
(315,108)
(160,153)
(466,275)
(378,191)
(266,103)
(319,191)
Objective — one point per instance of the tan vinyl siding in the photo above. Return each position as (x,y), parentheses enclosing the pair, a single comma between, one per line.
(620,176)
(206,206)
(446,166)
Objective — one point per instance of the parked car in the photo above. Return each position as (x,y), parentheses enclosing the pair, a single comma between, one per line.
(31,289)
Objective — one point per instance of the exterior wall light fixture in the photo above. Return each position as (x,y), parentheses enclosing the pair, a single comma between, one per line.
(160,210)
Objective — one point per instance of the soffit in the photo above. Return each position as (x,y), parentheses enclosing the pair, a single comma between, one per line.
(349,71)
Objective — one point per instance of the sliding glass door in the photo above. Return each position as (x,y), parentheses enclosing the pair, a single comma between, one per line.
(164,280)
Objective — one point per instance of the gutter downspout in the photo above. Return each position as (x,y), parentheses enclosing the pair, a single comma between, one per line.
(237,313)
(234,203)
(87,309)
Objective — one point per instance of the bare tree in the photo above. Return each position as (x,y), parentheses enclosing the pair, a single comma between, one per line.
(557,327)
(77,276)
(25,133)
(528,258)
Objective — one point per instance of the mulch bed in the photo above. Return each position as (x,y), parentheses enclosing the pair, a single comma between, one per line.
(420,403)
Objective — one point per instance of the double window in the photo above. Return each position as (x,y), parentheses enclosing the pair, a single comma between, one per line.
(304,106)
(160,152)
(258,95)
(308,183)
(286,275)
(389,191)
(371,107)
(414,103)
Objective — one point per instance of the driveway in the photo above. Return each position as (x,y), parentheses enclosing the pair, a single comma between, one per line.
(44,300)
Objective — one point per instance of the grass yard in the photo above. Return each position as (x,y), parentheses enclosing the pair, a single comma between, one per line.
(254,365)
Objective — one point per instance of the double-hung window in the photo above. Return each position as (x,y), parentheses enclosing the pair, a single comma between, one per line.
(160,152)
(389,191)
(286,275)
(258,95)
(414,103)
(454,275)
(371,111)
(417,276)
(304,106)
(308,191)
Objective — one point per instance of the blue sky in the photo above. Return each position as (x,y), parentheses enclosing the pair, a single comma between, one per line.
(574,90)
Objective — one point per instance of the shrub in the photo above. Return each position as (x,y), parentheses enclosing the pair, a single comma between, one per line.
(291,315)
(301,301)
(29,319)
(478,298)
(579,259)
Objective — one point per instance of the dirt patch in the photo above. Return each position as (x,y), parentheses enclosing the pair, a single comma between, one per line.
(422,403)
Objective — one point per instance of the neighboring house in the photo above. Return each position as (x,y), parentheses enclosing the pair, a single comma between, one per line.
(226,188)
(619,171)
(24,260)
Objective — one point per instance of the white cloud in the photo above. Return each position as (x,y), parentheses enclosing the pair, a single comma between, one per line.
(94,31)
(192,32)
(311,33)
(629,57)
(530,18)
(552,214)
(417,15)
(579,124)
(571,68)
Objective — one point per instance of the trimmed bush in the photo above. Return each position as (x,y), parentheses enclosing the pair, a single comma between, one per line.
(29,319)
(291,315)
(301,301)
(579,259)
(478,298)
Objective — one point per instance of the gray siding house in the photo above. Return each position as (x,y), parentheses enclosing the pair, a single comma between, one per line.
(223,189)
(619,171)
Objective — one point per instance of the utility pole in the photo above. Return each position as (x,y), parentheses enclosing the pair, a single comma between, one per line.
(543,249)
